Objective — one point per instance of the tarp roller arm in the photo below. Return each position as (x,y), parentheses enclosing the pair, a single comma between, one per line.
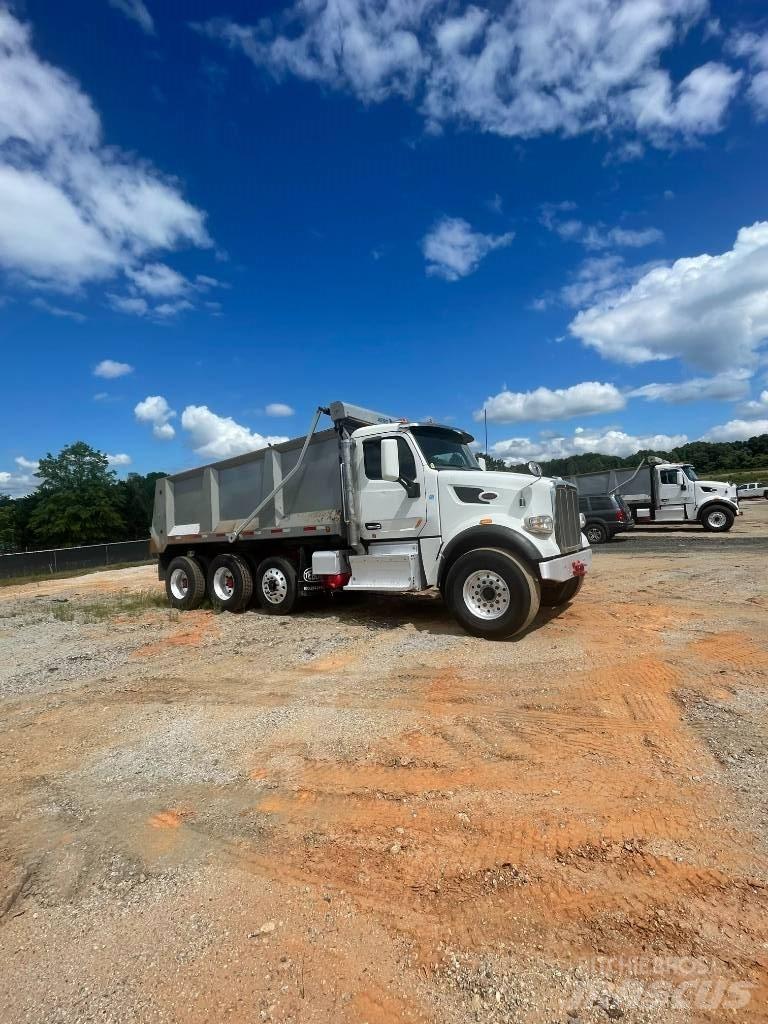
(232,537)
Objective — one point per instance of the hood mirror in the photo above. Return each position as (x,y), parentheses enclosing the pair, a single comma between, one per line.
(482,463)
(534,469)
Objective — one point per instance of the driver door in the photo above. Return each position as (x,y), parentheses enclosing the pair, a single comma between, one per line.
(387,511)
(671,487)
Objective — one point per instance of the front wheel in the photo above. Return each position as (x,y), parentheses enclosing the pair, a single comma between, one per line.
(717,520)
(553,595)
(491,593)
(277,586)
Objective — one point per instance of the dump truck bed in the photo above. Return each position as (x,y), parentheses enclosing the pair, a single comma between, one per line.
(606,480)
(207,503)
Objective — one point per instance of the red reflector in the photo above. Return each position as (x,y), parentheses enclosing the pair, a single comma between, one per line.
(309,529)
(579,569)
(336,580)
(275,531)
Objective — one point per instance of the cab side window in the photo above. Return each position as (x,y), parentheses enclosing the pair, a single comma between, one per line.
(372,459)
(668,476)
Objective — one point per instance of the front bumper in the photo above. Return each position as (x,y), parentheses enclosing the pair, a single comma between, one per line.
(564,568)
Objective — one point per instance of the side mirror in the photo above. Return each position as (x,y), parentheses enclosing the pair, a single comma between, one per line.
(390,460)
(482,464)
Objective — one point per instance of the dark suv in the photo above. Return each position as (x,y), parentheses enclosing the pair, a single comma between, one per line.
(606,515)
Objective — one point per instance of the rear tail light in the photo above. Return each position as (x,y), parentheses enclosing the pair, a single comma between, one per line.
(336,581)
(620,516)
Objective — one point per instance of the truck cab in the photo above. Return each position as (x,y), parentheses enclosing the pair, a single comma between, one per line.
(679,496)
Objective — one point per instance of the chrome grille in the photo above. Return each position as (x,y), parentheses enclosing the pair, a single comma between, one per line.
(567,529)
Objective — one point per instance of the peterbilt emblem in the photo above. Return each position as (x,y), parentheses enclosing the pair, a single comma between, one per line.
(488,496)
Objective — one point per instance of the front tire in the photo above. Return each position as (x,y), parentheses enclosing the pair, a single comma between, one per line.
(553,595)
(230,584)
(491,593)
(596,533)
(277,586)
(185,583)
(717,519)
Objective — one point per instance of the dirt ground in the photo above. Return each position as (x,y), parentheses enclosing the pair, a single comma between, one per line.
(360,814)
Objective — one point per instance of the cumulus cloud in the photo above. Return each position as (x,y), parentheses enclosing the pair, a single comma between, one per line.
(152,282)
(158,279)
(220,437)
(582,441)
(552,404)
(111,368)
(724,387)
(155,409)
(121,459)
(756,408)
(17,484)
(594,236)
(736,430)
(31,464)
(72,209)
(755,48)
(709,311)
(137,11)
(453,250)
(518,69)
(279,409)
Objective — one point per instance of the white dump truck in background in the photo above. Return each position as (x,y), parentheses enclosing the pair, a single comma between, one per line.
(666,492)
(373,504)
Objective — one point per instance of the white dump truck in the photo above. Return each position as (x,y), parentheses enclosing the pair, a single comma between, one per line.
(373,504)
(666,492)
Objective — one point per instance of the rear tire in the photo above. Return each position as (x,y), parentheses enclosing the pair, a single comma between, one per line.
(717,520)
(596,533)
(185,583)
(230,584)
(553,595)
(491,593)
(277,586)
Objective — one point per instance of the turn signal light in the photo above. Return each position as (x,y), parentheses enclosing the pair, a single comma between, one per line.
(337,580)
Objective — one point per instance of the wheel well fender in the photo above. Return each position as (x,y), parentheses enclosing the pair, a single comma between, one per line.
(487,537)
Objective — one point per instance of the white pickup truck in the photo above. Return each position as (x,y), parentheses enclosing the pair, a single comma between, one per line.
(752,490)
(373,504)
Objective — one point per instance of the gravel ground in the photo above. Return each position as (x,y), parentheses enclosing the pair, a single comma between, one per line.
(361,814)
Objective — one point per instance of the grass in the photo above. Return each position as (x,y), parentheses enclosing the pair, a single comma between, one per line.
(67,574)
(742,476)
(109,607)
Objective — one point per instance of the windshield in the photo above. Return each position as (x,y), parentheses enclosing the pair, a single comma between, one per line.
(443,449)
(689,472)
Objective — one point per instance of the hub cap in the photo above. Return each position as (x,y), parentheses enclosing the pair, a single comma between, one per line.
(486,594)
(179,584)
(717,519)
(223,583)
(594,536)
(274,585)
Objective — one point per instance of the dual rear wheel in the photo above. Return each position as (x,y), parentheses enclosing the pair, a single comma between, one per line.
(231,584)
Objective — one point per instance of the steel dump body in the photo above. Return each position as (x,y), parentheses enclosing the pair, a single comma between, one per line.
(204,505)
(607,480)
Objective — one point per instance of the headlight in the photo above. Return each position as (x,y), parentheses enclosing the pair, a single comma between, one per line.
(539,524)
(582,520)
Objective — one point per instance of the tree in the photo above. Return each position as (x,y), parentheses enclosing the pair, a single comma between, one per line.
(136,495)
(77,500)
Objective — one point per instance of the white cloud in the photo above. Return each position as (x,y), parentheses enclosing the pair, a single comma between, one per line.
(73,210)
(725,387)
(582,441)
(155,409)
(453,250)
(736,430)
(17,484)
(755,48)
(137,11)
(132,304)
(220,437)
(67,314)
(595,236)
(158,279)
(552,404)
(709,311)
(121,459)
(755,408)
(168,309)
(31,464)
(517,69)
(279,409)
(111,368)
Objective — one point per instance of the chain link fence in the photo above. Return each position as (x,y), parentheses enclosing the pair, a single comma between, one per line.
(89,556)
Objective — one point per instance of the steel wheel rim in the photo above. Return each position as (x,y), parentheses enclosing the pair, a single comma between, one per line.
(274,586)
(179,584)
(594,536)
(486,594)
(717,519)
(223,583)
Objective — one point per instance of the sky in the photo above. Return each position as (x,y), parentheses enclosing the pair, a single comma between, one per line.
(216,216)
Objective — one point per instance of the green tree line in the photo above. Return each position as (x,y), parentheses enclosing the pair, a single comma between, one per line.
(710,458)
(79,500)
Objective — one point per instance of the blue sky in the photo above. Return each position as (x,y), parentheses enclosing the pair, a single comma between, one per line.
(214,213)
